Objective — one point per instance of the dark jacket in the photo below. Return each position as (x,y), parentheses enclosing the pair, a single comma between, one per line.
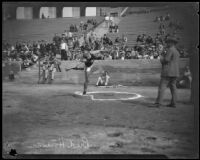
(170,63)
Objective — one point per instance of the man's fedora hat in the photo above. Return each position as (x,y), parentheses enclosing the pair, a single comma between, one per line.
(172,39)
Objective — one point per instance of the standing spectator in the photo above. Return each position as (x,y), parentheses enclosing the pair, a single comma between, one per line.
(116,28)
(43,17)
(81,26)
(42,48)
(75,28)
(76,43)
(56,39)
(71,28)
(107,20)
(64,50)
(170,72)
(54,49)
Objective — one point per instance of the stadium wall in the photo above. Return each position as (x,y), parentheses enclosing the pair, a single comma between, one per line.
(142,72)
(135,72)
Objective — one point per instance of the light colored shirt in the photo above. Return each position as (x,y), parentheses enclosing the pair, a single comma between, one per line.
(70,34)
(64,46)
(107,18)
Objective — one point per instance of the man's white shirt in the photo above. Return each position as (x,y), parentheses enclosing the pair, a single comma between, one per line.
(64,46)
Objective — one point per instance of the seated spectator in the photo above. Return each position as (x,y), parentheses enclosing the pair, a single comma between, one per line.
(103,80)
(155,53)
(11,76)
(105,39)
(117,40)
(157,19)
(124,39)
(113,52)
(170,24)
(134,54)
(88,21)
(139,39)
(149,40)
(162,18)
(143,39)
(97,44)
(65,33)
(85,26)
(186,79)
(158,40)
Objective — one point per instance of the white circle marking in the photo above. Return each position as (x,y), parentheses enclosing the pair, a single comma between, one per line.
(94,99)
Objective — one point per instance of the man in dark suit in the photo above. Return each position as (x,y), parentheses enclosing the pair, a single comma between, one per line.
(169,73)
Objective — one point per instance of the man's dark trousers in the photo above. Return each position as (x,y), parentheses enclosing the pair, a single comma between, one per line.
(86,80)
(63,52)
(164,83)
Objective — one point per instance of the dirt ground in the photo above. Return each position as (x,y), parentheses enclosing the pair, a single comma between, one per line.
(52,119)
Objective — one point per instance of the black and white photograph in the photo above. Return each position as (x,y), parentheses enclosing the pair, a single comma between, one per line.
(100,79)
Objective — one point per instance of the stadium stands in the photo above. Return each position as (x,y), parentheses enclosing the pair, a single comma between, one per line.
(143,23)
(39,29)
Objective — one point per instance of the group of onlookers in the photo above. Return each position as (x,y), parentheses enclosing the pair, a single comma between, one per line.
(22,52)
(162,18)
(113,28)
(153,47)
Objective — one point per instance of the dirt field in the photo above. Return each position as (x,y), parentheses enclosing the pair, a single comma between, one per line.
(52,119)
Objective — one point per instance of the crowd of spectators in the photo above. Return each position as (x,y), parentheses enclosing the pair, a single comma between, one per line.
(71,45)
(83,26)
(21,52)
(152,47)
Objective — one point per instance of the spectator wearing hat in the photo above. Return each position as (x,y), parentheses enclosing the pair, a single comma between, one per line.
(169,73)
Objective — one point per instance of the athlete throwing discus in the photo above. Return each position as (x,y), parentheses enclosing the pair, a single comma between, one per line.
(88,59)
